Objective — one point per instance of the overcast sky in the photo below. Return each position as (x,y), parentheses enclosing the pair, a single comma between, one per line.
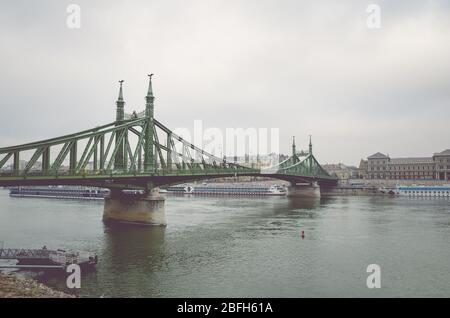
(305,67)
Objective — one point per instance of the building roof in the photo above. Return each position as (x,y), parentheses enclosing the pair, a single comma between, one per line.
(443,153)
(413,160)
(378,155)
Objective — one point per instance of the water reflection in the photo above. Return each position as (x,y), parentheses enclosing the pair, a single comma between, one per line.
(281,216)
(128,260)
(306,203)
(327,200)
(131,243)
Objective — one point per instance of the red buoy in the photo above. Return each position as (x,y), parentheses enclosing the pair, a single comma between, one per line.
(303,234)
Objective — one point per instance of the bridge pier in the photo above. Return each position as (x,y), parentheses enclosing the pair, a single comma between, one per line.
(303,190)
(144,209)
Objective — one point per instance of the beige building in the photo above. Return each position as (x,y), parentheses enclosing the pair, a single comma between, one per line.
(381,166)
(442,162)
(377,166)
(362,169)
(411,168)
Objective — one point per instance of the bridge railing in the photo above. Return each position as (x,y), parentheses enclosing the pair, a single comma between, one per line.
(24,253)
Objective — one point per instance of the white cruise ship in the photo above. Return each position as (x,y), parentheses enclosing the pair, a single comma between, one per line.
(226,190)
(424,191)
(59,192)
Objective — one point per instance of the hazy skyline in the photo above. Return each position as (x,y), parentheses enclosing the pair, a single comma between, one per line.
(303,67)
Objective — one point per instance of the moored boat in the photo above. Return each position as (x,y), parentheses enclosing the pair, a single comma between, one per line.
(46,259)
(424,191)
(274,190)
(83,193)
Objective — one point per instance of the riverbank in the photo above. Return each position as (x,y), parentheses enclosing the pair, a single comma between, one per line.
(13,286)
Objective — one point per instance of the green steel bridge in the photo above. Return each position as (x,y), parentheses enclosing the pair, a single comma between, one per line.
(136,152)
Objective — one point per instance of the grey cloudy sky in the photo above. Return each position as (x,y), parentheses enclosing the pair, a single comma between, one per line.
(306,67)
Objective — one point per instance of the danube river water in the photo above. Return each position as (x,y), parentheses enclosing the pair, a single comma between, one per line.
(247,246)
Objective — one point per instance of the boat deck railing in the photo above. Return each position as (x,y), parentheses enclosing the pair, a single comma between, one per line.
(11,253)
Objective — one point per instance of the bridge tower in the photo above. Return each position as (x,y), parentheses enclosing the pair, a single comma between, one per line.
(149,154)
(146,208)
(119,163)
(310,189)
(294,151)
(310,144)
(293,146)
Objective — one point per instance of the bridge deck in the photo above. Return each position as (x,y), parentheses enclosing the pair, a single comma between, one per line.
(141,180)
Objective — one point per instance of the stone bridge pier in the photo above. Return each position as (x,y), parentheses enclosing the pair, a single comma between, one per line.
(135,208)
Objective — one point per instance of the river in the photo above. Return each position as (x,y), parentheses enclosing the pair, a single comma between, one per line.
(247,246)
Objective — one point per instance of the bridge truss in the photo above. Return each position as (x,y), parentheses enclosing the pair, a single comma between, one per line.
(132,151)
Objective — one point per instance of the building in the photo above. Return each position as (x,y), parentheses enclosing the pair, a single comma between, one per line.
(10,167)
(411,168)
(362,169)
(381,166)
(442,162)
(377,166)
